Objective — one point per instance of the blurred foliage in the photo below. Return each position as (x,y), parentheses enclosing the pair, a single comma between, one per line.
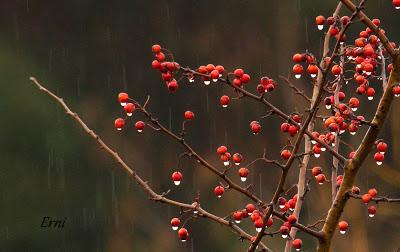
(88,51)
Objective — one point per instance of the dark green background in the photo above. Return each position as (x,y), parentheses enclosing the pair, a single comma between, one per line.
(88,51)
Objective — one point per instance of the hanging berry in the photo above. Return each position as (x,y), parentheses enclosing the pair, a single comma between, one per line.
(297,70)
(379,157)
(139,125)
(183,234)
(129,108)
(243,173)
(218,191)
(297,243)
(319,21)
(320,179)
(371,211)
(343,225)
(285,154)
(237,158)
(224,101)
(177,178)
(237,216)
(189,115)
(175,222)
(222,150)
(119,123)
(123,98)
(255,127)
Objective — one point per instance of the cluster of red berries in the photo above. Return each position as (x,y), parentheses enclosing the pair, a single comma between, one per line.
(182,232)
(289,128)
(129,108)
(241,77)
(237,159)
(328,138)
(165,67)
(266,85)
(366,198)
(298,69)
(213,73)
(334,25)
(255,215)
(287,205)
(381,148)
(319,176)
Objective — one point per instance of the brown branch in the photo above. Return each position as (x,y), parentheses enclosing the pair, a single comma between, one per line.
(296,89)
(363,150)
(132,173)
(376,199)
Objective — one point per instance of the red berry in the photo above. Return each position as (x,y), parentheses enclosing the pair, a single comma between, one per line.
(316,171)
(139,125)
(224,100)
(292,219)
(320,179)
(243,173)
(172,86)
(119,123)
(371,211)
(222,150)
(297,70)
(237,216)
(238,72)
(381,147)
(214,74)
(237,158)
(160,56)
(218,191)
(245,78)
(312,70)
(129,108)
(297,243)
(156,48)
(255,128)
(379,157)
(336,70)
(298,58)
(155,64)
(319,21)
(396,91)
(373,192)
(396,4)
(343,225)
(355,190)
(123,98)
(366,198)
(250,208)
(177,178)
(189,115)
(220,69)
(258,223)
(175,222)
(285,154)
(292,130)
(183,234)
(284,230)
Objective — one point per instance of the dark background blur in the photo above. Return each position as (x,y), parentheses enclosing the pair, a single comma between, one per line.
(88,51)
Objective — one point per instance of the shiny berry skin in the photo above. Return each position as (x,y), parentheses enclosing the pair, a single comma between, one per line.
(222,150)
(285,127)
(298,58)
(292,130)
(119,123)
(298,69)
(183,234)
(379,157)
(396,91)
(175,222)
(373,192)
(214,74)
(160,56)
(336,70)
(343,225)
(258,224)
(189,115)
(320,178)
(177,177)
(250,208)
(292,219)
(371,211)
(155,64)
(245,78)
(224,101)
(156,48)
(243,173)
(396,4)
(320,20)
(366,198)
(237,216)
(255,128)
(220,69)
(312,70)
(284,230)
(285,154)
(123,98)
(139,125)
(218,191)
(297,243)
(129,108)
(172,86)
(316,171)
(381,147)
(238,72)
(237,158)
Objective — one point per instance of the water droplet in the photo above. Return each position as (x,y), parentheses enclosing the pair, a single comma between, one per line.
(342,231)
(281,206)
(368,73)
(341,131)
(323,148)
(129,114)
(237,163)
(215,80)
(237,221)
(371,215)
(284,236)
(191,79)
(297,76)
(174,228)
(379,163)
(313,142)
(317,155)
(220,75)
(258,230)
(370,98)
(177,182)
(320,183)
(297,249)
(123,104)
(119,128)
(183,240)
(226,163)
(313,75)
(397,95)
(382,152)
(224,106)
(320,27)
(328,106)
(291,209)
(352,133)
(219,196)
(333,144)
(139,131)
(397,7)
(195,212)
(207,82)
(354,109)
(243,179)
